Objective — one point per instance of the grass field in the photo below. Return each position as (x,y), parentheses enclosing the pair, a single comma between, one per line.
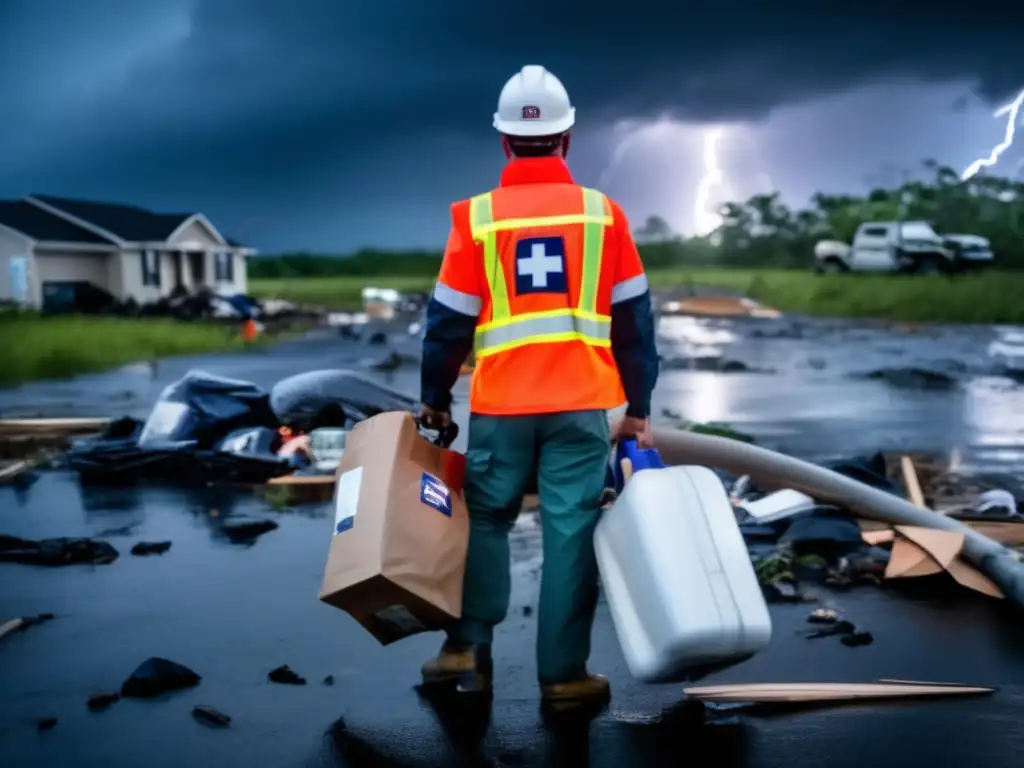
(994,297)
(43,348)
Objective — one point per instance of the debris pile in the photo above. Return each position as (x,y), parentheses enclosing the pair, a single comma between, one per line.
(207,429)
(795,541)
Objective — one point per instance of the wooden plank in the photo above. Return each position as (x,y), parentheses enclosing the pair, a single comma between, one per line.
(11,471)
(1009,534)
(900,681)
(71,426)
(812,692)
(911,482)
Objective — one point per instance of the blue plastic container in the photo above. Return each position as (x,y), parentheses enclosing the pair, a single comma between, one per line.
(640,458)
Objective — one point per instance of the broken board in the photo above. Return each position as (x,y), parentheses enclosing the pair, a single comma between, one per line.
(79,426)
(301,489)
(763,693)
(12,471)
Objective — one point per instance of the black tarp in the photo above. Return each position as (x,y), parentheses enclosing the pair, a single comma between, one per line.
(333,398)
(210,429)
(202,408)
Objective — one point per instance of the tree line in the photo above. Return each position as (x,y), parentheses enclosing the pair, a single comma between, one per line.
(764,231)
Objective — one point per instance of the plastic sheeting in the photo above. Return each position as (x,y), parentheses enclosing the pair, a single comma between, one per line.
(202,408)
(333,398)
(206,428)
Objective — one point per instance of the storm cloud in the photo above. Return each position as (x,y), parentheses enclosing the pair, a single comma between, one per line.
(326,121)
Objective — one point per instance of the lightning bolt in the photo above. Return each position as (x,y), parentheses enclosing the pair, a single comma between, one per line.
(1011,111)
(706,218)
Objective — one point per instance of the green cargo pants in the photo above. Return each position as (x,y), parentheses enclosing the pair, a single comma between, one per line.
(570,452)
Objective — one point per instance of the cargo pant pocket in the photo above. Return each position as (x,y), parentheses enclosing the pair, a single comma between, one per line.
(490,492)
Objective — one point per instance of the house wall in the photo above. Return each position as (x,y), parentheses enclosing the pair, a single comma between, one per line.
(62,266)
(130,267)
(241,282)
(12,245)
(196,237)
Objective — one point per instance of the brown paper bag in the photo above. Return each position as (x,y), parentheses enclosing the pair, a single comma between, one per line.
(398,550)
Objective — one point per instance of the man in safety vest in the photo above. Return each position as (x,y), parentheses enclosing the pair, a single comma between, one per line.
(542,280)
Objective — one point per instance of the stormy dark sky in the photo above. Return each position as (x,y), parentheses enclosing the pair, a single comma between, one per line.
(332,124)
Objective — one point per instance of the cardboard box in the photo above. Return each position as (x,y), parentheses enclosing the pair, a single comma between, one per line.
(398,548)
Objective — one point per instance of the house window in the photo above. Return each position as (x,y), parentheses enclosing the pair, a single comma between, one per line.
(151,268)
(224,267)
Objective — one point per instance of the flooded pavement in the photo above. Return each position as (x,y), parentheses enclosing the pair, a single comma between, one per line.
(233,612)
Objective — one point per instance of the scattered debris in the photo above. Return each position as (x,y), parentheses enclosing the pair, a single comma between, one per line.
(996,502)
(856,638)
(794,693)
(144,548)
(156,676)
(527,611)
(775,575)
(298,489)
(17,625)
(775,506)
(716,428)
(718,306)
(55,552)
(925,552)
(98,702)
(826,532)
(210,716)
(46,724)
(910,480)
(911,378)
(12,473)
(823,616)
(285,675)
(392,362)
(243,530)
(66,427)
(329,680)
(810,567)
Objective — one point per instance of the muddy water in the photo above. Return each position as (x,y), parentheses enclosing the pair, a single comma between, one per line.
(234,613)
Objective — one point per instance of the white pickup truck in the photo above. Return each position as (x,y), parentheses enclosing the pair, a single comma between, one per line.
(901,246)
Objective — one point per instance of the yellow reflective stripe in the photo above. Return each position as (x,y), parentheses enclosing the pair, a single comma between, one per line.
(481,352)
(481,219)
(592,316)
(540,221)
(543,328)
(593,247)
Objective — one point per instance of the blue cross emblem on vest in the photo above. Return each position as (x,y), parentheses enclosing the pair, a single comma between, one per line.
(540,265)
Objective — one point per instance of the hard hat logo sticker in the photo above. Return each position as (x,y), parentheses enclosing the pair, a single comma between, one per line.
(531,113)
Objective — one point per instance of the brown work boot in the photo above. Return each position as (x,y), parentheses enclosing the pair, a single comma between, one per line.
(590,691)
(469,667)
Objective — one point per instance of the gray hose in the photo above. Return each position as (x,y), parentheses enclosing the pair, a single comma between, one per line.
(1003,566)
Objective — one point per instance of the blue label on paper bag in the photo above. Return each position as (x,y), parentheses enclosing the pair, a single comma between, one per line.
(435,494)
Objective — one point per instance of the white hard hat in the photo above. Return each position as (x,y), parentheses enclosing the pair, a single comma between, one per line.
(534,103)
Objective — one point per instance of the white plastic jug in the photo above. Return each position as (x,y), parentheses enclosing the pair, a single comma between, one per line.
(678,578)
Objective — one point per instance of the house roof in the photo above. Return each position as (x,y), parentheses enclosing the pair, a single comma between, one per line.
(129,222)
(34,222)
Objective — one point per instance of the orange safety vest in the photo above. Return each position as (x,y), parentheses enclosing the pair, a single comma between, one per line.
(543,342)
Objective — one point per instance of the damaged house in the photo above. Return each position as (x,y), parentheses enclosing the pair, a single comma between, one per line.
(49,245)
